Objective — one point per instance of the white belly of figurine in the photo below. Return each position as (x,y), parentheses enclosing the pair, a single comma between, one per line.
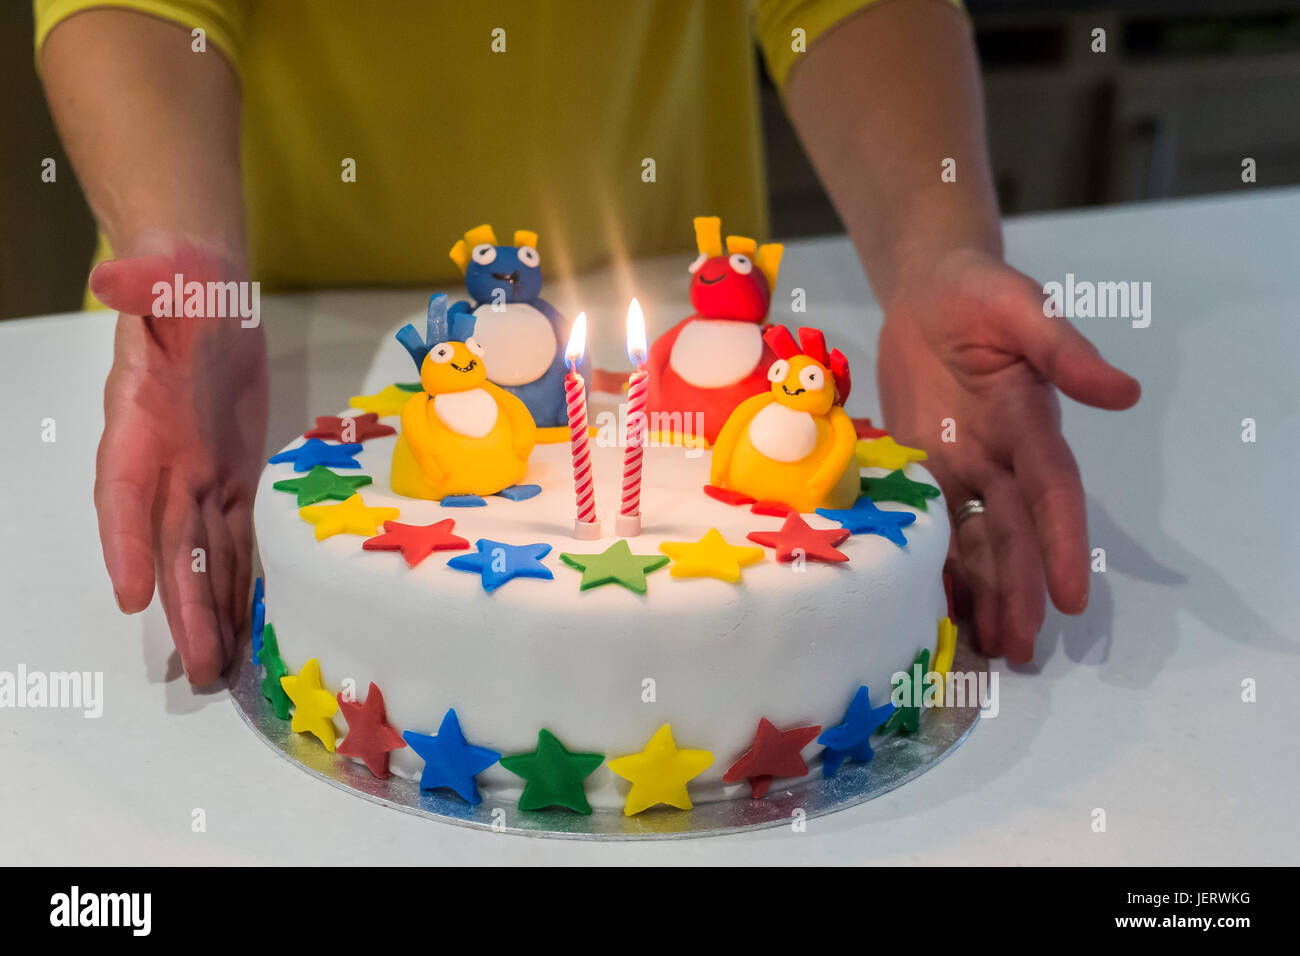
(471,413)
(518,342)
(782,434)
(715,353)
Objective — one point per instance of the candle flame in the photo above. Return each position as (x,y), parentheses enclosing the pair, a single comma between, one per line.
(636,343)
(573,352)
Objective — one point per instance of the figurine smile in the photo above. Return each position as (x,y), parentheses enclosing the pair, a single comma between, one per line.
(473,364)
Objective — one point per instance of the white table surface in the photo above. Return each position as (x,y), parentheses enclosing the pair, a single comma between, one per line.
(1134,708)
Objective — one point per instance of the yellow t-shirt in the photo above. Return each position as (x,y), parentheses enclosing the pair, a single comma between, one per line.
(603,126)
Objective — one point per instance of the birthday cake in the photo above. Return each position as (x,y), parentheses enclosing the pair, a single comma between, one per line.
(552,615)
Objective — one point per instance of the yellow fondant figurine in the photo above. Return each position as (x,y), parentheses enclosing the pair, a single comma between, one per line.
(794,443)
(461,435)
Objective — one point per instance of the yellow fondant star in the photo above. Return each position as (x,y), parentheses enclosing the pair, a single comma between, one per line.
(352,516)
(386,401)
(659,773)
(710,557)
(887,453)
(314,706)
(944,650)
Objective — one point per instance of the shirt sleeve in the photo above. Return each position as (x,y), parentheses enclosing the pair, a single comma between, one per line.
(224,22)
(776,21)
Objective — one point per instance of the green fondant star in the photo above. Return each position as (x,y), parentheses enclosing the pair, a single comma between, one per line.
(554,775)
(275,669)
(616,564)
(908,717)
(896,486)
(321,483)
(409,386)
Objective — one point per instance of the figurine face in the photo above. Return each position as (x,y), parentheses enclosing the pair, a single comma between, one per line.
(453,367)
(802,384)
(729,287)
(503,274)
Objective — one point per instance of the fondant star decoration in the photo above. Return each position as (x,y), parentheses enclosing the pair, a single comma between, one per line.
(865,518)
(710,557)
(555,776)
(852,738)
(352,516)
(866,430)
(884,452)
(498,562)
(896,486)
(387,401)
(797,539)
(313,706)
(908,717)
(259,617)
(315,452)
(449,760)
(321,484)
(417,541)
(615,565)
(774,753)
(660,772)
(409,386)
(275,669)
(945,650)
(370,736)
(350,428)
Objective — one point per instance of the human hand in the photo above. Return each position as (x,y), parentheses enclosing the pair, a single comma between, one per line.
(185,409)
(969,341)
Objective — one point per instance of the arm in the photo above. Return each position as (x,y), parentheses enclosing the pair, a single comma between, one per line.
(843,446)
(420,438)
(732,429)
(153,133)
(880,102)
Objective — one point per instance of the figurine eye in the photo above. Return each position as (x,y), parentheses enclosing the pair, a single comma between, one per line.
(474,347)
(812,378)
(741,264)
(694,267)
(529,257)
(442,353)
(778,371)
(484,254)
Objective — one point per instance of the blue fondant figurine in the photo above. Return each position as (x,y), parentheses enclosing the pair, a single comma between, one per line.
(523,336)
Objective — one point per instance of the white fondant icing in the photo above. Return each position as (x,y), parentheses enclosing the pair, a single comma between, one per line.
(518,342)
(472,412)
(783,434)
(713,353)
(790,647)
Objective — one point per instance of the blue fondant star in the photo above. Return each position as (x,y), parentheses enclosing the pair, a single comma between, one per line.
(498,562)
(852,738)
(449,761)
(259,618)
(520,492)
(865,518)
(315,452)
(463,501)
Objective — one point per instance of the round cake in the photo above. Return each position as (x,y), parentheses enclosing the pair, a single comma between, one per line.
(503,617)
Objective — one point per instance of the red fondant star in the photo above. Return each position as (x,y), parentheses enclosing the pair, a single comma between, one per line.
(774,753)
(866,430)
(727,496)
(416,541)
(331,428)
(370,736)
(775,509)
(797,535)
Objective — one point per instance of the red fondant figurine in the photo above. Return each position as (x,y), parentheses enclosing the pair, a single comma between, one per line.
(713,360)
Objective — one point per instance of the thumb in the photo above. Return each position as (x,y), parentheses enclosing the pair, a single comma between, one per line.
(127,283)
(1067,359)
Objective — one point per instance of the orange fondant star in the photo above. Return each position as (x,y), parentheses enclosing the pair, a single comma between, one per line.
(710,557)
(352,516)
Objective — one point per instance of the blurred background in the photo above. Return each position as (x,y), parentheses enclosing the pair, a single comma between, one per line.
(1187,89)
